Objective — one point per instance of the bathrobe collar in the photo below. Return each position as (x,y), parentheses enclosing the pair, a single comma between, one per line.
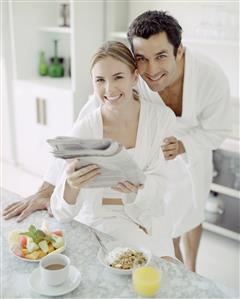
(189,89)
(140,147)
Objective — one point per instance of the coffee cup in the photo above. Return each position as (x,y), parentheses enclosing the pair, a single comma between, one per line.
(54,269)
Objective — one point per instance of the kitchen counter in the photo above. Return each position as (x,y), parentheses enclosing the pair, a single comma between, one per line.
(97,281)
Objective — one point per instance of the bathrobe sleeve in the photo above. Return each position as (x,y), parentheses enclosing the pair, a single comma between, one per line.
(213,112)
(63,211)
(206,119)
(149,202)
(52,175)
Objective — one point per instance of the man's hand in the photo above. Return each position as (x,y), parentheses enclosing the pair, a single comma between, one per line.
(126,187)
(30,204)
(172,147)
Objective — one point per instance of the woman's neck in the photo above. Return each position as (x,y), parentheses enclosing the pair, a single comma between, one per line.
(128,112)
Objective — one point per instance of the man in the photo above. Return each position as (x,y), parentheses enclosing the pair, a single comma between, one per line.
(198,93)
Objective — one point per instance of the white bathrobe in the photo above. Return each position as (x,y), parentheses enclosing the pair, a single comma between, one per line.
(204,124)
(148,207)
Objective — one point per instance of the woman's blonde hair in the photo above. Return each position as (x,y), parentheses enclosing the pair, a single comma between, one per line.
(118,51)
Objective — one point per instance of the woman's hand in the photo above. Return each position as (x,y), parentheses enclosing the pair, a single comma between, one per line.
(77,179)
(25,207)
(80,178)
(126,187)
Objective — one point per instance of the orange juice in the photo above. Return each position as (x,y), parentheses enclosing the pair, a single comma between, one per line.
(146,281)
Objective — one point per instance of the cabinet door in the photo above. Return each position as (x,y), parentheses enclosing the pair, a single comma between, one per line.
(40,113)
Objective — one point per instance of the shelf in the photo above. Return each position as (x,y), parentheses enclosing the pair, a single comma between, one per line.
(64,83)
(221,231)
(232,145)
(225,190)
(55,29)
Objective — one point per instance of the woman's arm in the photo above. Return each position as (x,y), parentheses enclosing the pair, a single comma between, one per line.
(66,200)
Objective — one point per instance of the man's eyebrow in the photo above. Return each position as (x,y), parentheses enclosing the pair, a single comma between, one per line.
(157,54)
(161,52)
(139,55)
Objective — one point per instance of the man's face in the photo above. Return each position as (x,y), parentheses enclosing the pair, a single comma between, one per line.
(156,62)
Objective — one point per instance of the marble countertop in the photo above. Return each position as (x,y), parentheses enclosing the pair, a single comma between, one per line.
(97,282)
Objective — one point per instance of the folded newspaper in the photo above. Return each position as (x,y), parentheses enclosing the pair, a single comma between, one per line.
(113,159)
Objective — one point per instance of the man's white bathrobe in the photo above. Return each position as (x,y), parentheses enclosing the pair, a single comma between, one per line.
(202,127)
(148,207)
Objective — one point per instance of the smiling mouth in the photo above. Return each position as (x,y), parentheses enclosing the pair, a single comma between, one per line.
(113,99)
(155,79)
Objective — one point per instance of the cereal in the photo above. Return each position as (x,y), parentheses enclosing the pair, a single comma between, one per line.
(125,258)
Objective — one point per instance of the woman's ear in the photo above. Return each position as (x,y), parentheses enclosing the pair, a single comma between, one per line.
(135,77)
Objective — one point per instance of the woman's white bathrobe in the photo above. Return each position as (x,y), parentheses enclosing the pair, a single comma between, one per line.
(148,207)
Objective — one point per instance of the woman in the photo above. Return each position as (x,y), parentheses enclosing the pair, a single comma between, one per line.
(128,212)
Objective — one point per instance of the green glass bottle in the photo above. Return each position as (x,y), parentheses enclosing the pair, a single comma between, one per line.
(56,69)
(42,67)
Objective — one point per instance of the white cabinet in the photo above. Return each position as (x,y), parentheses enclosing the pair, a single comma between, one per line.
(43,106)
(40,113)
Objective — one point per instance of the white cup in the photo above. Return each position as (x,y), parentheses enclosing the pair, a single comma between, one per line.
(54,277)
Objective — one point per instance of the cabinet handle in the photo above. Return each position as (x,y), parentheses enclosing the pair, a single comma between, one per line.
(41,108)
(38,110)
(44,114)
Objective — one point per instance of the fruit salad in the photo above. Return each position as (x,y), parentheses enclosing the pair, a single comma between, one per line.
(34,243)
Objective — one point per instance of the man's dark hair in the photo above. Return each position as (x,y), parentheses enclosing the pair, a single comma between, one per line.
(153,22)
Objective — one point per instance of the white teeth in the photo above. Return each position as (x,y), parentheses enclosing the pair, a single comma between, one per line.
(113,98)
(155,79)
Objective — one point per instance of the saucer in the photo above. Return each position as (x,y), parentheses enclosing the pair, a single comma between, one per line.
(40,287)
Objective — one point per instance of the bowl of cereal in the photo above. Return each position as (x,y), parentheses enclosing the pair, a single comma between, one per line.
(122,258)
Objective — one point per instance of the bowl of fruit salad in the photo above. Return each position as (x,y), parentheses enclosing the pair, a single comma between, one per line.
(33,244)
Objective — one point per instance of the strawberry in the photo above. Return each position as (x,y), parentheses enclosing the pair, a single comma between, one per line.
(23,241)
(58,233)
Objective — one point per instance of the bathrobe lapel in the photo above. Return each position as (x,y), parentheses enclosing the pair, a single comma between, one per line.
(141,146)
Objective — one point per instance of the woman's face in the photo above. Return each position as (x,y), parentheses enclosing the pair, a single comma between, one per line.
(113,81)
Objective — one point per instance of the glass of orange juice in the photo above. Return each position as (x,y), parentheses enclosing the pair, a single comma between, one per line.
(146,281)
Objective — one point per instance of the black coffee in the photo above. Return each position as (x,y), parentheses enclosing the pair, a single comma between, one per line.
(54,266)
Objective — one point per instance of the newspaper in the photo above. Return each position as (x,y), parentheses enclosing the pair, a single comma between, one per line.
(113,159)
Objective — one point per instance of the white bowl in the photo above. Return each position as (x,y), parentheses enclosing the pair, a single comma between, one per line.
(13,241)
(119,244)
